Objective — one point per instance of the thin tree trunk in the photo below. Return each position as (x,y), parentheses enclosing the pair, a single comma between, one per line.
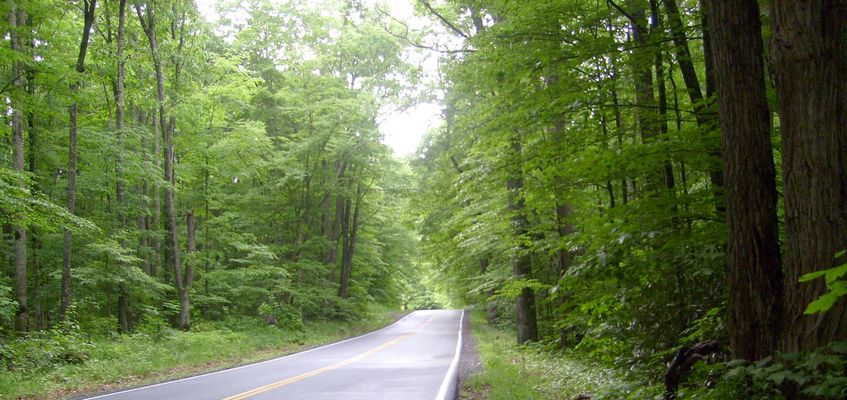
(188,279)
(144,217)
(155,221)
(206,243)
(648,119)
(709,61)
(17,19)
(332,225)
(527,326)
(67,253)
(120,183)
(123,310)
(658,65)
(695,95)
(120,110)
(619,134)
(755,274)
(491,314)
(166,126)
(350,229)
(35,240)
(810,62)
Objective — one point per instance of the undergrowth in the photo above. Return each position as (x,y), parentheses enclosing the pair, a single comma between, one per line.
(63,361)
(529,372)
(534,371)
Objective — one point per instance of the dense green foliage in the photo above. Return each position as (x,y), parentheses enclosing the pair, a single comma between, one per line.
(589,185)
(584,137)
(624,269)
(286,202)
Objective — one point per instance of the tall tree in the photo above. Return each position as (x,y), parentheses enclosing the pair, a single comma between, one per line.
(527,325)
(120,179)
(646,109)
(755,275)
(167,122)
(67,254)
(810,63)
(352,205)
(17,21)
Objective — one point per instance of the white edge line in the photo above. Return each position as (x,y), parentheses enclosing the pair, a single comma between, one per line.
(248,365)
(451,372)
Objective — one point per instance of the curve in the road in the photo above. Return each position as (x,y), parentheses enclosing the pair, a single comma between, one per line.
(414,358)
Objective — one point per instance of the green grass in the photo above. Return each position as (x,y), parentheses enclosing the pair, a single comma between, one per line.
(514,372)
(132,360)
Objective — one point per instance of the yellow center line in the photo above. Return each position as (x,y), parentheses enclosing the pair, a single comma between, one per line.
(306,375)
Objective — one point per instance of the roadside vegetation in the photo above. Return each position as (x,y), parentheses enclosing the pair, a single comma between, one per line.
(534,371)
(642,184)
(178,194)
(64,360)
(652,193)
(543,371)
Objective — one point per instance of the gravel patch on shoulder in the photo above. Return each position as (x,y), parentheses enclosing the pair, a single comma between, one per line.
(469,361)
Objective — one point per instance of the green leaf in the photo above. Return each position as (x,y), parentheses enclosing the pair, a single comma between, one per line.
(822,303)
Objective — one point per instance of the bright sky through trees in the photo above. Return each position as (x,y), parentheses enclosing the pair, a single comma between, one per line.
(402,129)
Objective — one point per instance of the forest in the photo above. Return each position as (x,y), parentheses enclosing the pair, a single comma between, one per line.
(653,190)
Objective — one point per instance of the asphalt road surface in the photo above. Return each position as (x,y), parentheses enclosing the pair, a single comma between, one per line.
(414,358)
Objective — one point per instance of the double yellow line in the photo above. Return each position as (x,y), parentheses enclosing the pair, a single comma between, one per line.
(306,375)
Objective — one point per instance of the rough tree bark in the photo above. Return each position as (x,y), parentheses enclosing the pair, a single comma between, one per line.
(810,64)
(755,275)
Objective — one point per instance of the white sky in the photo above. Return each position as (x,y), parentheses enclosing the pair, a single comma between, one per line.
(402,130)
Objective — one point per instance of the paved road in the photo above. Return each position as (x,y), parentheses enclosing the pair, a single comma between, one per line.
(415,358)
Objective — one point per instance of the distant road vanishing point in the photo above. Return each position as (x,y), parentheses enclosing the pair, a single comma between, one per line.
(416,358)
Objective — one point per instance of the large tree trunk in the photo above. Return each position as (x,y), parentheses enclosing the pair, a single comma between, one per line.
(67,253)
(810,62)
(755,275)
(17,19)
(527,325)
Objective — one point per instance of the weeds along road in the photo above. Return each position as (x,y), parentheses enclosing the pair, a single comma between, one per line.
(414,358)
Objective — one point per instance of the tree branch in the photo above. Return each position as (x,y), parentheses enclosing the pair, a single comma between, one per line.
(622,11)
(405,36)
(446,23)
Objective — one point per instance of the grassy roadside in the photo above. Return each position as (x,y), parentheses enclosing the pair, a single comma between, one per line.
(528,372)
(110,364)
